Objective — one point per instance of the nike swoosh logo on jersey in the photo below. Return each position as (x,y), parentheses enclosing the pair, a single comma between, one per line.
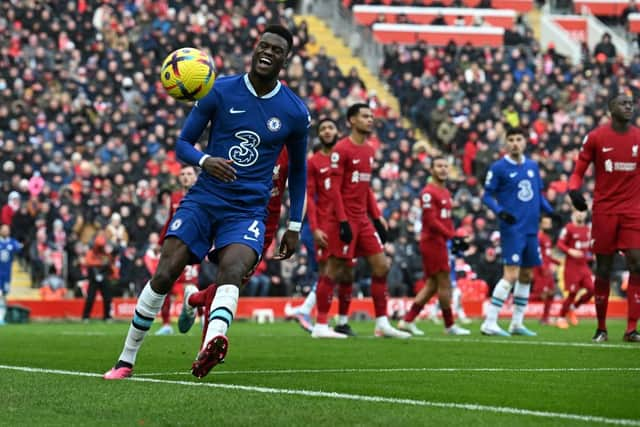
(232,110)
(356,161)
(323,170)
(513,174)
(607,149)
(249,238)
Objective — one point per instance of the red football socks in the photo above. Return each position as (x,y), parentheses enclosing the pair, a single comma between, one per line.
(448,317)
(633,301)
(324,295)
(567,303)
(379,295)
(602,301)
(345,290)
(547,307)
(165,311)
(413,312)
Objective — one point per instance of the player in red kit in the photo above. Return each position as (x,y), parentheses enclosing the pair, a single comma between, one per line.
(613,149)
(319,205)
(187,178)
(575,242)
(437,229)
(351,162)
(544,285)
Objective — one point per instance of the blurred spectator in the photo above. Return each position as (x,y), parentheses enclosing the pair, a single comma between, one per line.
(10,209)
(100,264)
(259,283)
(53,287)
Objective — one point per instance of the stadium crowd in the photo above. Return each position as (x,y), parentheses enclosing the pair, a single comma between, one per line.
(87,134)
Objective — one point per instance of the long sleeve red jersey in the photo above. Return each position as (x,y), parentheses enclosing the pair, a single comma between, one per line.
(615,157)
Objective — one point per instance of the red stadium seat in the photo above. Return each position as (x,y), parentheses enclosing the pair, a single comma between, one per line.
(517,5)
(367,15)
(634,22)
(600,7)
(438,35)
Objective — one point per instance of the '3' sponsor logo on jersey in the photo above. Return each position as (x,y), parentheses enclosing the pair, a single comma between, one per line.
(246,152)
(525,192)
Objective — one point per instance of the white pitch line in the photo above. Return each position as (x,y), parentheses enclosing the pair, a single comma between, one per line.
(355,397)
(488,340)
(392,370)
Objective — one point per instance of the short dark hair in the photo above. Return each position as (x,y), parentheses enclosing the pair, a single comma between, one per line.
(438,157)
(282,32)
(323,119)
(355,109)
(615,95)
(516,130)
(187,166)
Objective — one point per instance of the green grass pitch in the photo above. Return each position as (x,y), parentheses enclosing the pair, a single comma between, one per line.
(276,375)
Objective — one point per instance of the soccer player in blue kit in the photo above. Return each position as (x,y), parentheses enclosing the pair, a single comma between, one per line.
(252,116)
(8,248)
(513,190)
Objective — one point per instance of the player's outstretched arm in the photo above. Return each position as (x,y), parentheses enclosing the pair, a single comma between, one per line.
(544,203)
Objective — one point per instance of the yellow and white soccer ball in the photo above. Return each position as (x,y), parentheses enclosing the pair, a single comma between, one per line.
(187,74)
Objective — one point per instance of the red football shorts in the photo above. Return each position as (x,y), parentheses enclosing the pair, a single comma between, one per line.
(435,258)
(576,277)
(542,282)
(612,232)
(365,241)
(322,254)
(270,230)
(177,289)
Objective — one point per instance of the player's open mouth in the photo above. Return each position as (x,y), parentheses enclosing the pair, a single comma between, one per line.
(264,62)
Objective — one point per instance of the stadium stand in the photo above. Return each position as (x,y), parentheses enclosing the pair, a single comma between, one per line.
(87,135)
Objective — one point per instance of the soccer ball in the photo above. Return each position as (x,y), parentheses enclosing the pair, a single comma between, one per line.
(187,74)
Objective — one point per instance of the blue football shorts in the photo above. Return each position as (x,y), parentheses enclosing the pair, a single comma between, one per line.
(520,249)
(206,224)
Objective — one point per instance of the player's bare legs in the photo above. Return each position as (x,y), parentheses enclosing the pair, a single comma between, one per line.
(234,262)
(174,257)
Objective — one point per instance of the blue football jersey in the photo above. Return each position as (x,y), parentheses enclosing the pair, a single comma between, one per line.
(8,248)
(250,131)
(516,188)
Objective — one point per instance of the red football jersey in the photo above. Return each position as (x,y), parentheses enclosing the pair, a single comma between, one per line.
(546,250)
(280,174)
(437,225)
(189,275)
(176,198)
(319,195)
(574,236)
(615,158)
(350,179)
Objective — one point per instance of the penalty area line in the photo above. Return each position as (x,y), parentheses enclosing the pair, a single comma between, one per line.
(354,397)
